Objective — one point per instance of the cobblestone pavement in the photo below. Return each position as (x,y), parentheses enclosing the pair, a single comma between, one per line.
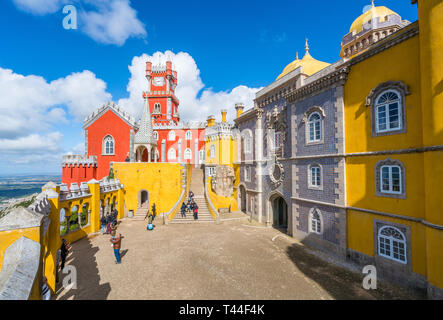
(233,260)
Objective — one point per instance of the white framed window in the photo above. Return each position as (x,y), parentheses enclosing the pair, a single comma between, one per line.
(201,156)
(108,145)
(392,244)
(212,151)
(172,154)
(188,154)
(314,127)
(155,135)
(390,179)
(315,176)
(171,135)
(188,135)
(248,174)
(388,112)
(315,221)
(247,143)
(211,171)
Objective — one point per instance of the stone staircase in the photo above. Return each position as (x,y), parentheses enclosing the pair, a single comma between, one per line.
(140,214)
(198,187)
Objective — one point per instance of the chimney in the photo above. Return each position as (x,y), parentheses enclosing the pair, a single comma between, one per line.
(239,107)
(211,121)
(224,113)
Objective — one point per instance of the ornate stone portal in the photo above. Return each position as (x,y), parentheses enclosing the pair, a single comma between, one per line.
(223,181)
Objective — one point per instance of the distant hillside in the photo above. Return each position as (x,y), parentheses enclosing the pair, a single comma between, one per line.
(25,202)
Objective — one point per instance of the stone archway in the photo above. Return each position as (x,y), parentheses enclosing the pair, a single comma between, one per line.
(279,210)
(143,199)
(242,196)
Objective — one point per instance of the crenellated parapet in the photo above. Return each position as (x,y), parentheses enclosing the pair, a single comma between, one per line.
(220,130)
(79,160)
(180,126)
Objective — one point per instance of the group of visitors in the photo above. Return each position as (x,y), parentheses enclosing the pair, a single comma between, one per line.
(189,207)
(109,222)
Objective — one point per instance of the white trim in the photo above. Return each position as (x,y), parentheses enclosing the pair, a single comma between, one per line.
(320,221)
(104,147)
(314,122)
(310,185)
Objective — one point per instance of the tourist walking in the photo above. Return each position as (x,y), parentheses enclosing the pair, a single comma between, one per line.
(183,210)
(108,223)
(116,240)
(188,207)
(64,250)
(150,226)
(191,196)
(195,208)
(103,220)
(153,211)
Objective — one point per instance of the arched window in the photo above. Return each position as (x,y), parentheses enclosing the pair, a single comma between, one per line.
(247,142)
(188,154)
(315,222)
(315,176)
(155,135)
(388,112)
(171,135)
(188,135)
(392,244)
(201,156)
(314,127)
(157,108)
(108,145)
(212,151)
(172,154)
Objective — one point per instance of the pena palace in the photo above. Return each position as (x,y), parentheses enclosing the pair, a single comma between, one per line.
(112,135)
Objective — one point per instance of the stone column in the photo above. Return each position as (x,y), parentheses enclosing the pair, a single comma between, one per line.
(259,165)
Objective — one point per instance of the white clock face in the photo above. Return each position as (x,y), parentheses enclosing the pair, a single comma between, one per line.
(158,81)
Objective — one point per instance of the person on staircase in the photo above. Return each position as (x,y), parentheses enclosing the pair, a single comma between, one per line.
(188,207)
(191,196)
(183,210)
(195,209)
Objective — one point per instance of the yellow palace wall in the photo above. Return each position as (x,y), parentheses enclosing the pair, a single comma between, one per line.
(163,182)
(418,63)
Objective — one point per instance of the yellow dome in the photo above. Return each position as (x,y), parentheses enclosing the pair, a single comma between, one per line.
(374,12)
(308,63)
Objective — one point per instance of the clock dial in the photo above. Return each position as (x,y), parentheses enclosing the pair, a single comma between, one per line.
(158,81)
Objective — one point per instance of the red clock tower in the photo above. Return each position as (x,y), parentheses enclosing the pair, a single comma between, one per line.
(163,104)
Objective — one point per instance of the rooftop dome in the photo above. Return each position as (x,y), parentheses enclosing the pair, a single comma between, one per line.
(374,12)
(308,63)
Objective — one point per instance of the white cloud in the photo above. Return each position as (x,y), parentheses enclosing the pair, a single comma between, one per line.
(30,104)
(113,23)
(196,101)
(109,21)
(39,7)
(33,143)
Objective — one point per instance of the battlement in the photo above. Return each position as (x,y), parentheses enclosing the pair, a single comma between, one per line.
(180,126)
(79,160)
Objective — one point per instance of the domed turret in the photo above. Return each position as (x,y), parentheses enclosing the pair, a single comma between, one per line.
(374,24)
(308,63)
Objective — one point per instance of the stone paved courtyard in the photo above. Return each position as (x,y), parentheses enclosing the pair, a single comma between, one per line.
(233,260)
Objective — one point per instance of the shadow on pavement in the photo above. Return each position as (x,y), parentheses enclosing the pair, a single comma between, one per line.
(82,257)
(340,283)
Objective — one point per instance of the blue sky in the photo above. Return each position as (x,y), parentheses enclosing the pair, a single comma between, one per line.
(224,51)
